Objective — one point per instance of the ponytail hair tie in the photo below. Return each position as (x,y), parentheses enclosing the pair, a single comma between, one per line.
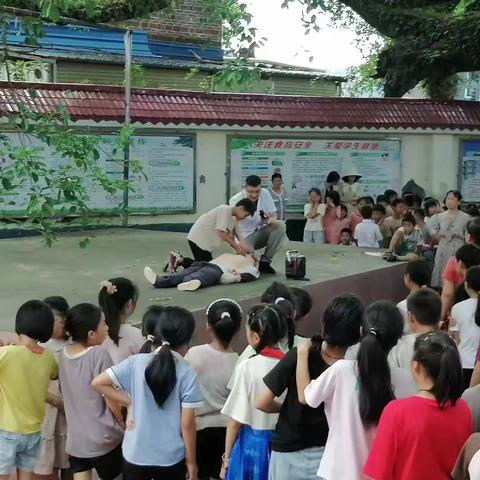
(109,286)
(373,332)
(223,300)
(224,315)
(164,344)
(151,338)
(278,300)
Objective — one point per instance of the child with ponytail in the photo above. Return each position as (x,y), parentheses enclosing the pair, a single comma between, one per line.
(355,393)
(118,299)
(301,432)
(465,324)
(149,324)
(160,391)
(214,363)
(249,431)
(278,294)
(420,437)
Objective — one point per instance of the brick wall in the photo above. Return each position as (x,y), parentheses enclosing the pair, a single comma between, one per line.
(186,25)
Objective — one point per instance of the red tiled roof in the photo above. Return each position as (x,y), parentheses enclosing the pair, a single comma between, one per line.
(88,102)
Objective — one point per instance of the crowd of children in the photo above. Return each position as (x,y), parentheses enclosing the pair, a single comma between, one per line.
(384,391)
(408,226)
(83,391)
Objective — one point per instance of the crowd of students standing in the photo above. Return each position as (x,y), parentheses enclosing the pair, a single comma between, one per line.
(384,391)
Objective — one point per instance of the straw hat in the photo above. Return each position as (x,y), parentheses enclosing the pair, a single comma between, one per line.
(352,172)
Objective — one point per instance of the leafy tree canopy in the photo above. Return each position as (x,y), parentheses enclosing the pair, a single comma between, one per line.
(91,10)
(427,41)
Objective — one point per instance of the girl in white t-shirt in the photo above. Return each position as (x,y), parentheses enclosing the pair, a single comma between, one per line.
(355,392)
(314,211)
(465,324)
(214,363)
(249,431)
(118,299)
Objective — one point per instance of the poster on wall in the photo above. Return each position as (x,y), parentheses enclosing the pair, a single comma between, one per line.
(166,185)
(470,164)
(306,163)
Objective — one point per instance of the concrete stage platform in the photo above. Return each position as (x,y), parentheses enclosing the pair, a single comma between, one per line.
(29,270)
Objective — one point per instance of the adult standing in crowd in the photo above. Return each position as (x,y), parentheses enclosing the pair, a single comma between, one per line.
(350,191)
(263,229)
(279,196)
(448,229)
(453,276)
(330,184)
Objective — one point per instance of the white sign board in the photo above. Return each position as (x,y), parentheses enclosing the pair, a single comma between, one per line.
(471,171)
(167,162)
(306,163)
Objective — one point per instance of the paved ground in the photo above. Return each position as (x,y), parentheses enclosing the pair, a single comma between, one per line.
(29,270)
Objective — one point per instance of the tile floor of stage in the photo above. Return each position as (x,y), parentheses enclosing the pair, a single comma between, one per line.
(29,270)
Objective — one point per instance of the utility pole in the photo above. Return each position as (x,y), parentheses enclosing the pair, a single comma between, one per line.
(128,95)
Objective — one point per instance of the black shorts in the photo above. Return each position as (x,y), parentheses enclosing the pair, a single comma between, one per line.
(146,472)
(108,466)
(210,448)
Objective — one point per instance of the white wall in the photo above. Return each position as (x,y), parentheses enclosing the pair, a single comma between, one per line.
(211,157)
(445,162)
(431,159)
(415,157)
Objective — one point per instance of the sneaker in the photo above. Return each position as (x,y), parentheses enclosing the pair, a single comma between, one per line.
(174,261)
(190,286)
(265,267)
(150,275)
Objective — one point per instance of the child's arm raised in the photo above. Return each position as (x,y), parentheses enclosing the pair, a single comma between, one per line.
(189,434)
(303,375)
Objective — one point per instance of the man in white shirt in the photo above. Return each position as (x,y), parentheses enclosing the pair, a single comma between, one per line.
(424,310)
(262,230)
(219,226)
(367,234)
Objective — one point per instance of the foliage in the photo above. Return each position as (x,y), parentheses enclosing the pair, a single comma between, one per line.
(429,41)
(361,81)
(91,10)
(240,73)
(53,193)
(137,77)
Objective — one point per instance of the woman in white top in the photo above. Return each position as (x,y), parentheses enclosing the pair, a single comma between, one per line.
(314,211)
(118,299)
(355,392)
(249,431)
(465,324)
(214,363)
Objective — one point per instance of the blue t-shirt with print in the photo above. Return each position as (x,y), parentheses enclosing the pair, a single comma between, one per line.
(157,436)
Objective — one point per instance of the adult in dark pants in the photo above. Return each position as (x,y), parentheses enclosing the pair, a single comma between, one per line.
(219,226)
(263,229)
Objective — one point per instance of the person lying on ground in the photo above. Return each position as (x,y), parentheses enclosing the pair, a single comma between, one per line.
(225,269)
